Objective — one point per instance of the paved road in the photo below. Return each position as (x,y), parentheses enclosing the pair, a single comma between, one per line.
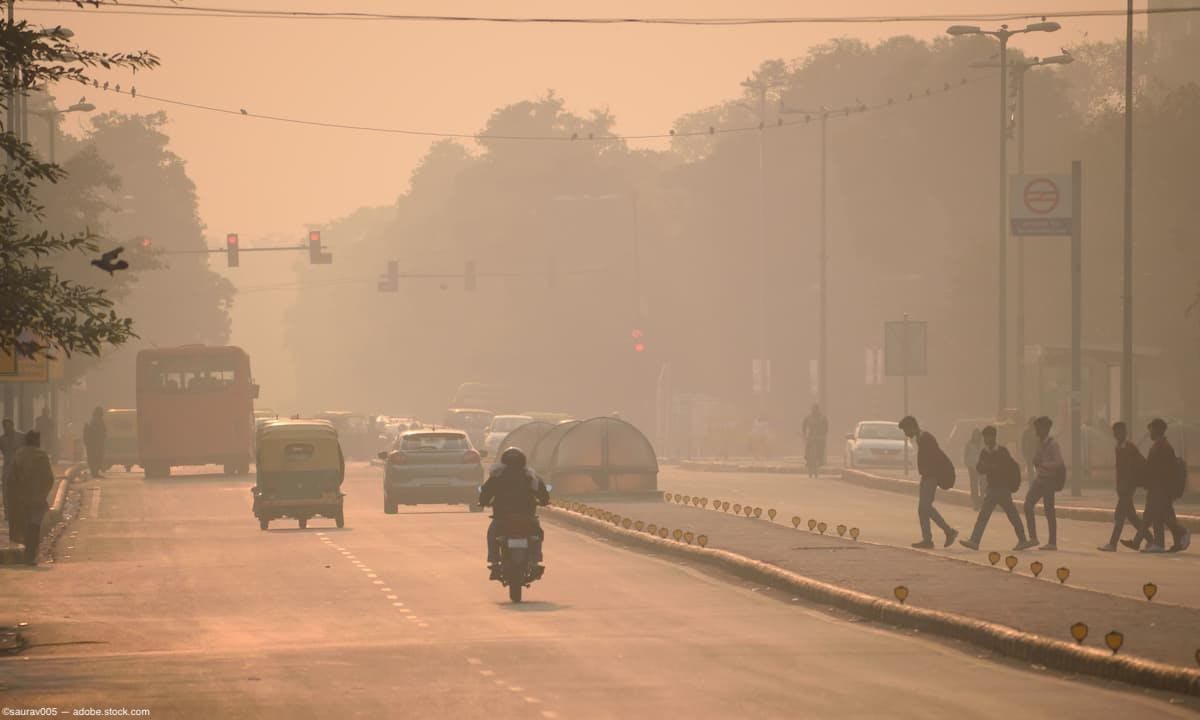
(891,518)
(171,599)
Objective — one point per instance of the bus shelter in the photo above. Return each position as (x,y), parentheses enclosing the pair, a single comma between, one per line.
(604,454)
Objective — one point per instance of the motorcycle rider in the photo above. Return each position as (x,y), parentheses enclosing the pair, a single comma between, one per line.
(512,489)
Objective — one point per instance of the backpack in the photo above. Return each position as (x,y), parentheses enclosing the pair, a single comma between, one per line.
(946,473)
(1179,478)
(1009,473)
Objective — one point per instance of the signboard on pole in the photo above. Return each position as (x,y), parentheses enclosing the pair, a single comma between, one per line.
(904,348)
(16,367)
(1040,205)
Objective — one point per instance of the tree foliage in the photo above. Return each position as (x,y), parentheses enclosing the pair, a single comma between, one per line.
(60,314)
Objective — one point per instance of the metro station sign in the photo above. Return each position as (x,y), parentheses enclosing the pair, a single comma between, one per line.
(1040,205)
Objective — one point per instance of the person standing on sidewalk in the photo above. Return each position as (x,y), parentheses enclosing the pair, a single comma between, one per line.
(816,429)
(936,471)
(1003,475)
(95,436)
(1129,468)
(10,442)
(1050,477)
(1162,487)
(44,424)
(32,479)
(971,453)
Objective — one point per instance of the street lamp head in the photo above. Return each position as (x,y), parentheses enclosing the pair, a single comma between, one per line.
(1043,27)
(81,107)
(1064,59)
(58,31)
(963,30)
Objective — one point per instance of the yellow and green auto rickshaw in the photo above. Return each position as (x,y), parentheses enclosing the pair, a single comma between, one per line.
(300,468)
(121,440)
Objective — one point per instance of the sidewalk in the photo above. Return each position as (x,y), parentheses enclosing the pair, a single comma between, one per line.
(1152,630)
(11,554)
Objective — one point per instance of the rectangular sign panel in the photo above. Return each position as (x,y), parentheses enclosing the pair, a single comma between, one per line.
(1040,205)
(904,348)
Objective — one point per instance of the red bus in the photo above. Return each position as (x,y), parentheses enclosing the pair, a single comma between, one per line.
(195,406)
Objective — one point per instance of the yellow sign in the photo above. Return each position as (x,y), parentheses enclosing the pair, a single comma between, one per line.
(725,506)
(757,512)
(1036,566)
(901,593)
(1114,640)
(703,542)
(1079,631)
(41,368)
(737,509)
(1062,573)
(687,499)
(748,511)
(626,523)
(771,514)
(667,496)
(677,534)
(854,533)
(841,530)
(677,497)
(1011,562)
(639,526)
(1150,590)
(796,521)
(812,524)
(662,533)
(993,557)
(688,537)
(822,527)
(704,503)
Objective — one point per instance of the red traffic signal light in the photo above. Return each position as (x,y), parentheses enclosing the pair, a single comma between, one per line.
(638,345)
(231,249)
(316,255)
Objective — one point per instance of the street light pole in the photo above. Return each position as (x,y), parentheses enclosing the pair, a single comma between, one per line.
(823,301)
(761,87)
(1127,412)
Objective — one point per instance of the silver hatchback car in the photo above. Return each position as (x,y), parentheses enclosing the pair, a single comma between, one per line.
(431,467)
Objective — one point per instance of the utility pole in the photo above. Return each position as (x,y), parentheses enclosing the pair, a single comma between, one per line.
(761,87)
(823,302)
(1127,412)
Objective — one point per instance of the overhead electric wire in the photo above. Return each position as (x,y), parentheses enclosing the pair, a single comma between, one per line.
(574,137)
(183,10)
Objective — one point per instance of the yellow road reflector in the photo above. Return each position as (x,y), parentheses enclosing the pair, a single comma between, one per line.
(678,534)
(1062,573)
(667,496)
(704,503)
(1149,590)
(771,514)
(688,537)
(639,526)
(812,524)
(687,499)
(822,527)
(757,512)
(677,497)
(747,511)
(1114,640)
(702,541)
(993,557)
(1079,631)
(652,529)
(1036,567)
(725,506)
(1011,562)
(737,509)
(662,533)
(854,533)
(626,523)
(901,593)
(796,521)
(841,530)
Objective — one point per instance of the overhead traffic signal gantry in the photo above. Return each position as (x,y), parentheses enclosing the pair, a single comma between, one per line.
(317,255)
(231,250)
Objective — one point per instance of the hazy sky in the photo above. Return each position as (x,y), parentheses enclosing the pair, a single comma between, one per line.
(258,177)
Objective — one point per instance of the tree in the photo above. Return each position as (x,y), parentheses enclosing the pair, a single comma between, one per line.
(59,314)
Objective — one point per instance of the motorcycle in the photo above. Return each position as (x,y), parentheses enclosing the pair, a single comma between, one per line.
(518,537)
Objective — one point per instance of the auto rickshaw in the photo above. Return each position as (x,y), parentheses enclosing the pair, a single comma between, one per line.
(300,468)
(121,440)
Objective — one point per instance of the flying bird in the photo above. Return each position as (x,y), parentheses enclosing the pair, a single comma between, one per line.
(109,263)
(244,111)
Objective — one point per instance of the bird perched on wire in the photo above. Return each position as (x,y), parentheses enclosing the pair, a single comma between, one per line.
(244,111)
(109,263)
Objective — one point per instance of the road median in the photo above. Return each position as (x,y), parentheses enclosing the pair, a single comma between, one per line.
(1009,613)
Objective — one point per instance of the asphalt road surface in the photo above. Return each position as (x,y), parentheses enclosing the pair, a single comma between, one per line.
(890,518)
(168,598)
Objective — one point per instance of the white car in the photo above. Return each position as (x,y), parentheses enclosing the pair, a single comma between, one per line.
(878,443)
(499,429)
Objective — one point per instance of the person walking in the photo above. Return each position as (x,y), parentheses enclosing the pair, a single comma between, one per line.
(936,470)
(1003,477)
(971,453)
(1162,487)
(1050,477)
(95,437)
(32,479)
(1129,468)
(44,424)
(10,442)
(816,429)
(1029,446)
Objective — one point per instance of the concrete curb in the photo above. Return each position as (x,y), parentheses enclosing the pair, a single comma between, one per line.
(962,497)
(997,638)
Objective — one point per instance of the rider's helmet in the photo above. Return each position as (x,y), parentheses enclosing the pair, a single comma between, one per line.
(513,458)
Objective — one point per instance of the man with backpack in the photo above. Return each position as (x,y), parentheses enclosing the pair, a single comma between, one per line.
(1003,475)
(1166,480)
(1129,468)
(1050,477)
(936,471)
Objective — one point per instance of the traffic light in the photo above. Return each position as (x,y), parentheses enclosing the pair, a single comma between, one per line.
(231,249)
(469,275)
(316,256)
(391,281)
(639,340)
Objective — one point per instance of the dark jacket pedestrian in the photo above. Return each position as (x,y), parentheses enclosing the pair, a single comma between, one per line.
(95,437)
(1160,469)
(1129,466)
(932,465)
(1003,477)
(32,479)
(45,426)
(1049,474)
(10,442)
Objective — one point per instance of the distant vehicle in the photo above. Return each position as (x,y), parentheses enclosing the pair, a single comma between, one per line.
(121,441)
(195,406)
(357,433)
(486,395)
(471,421)
(262,417)
(499,429)
(554,418)
(298,472)
(878,443)
(431,467)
